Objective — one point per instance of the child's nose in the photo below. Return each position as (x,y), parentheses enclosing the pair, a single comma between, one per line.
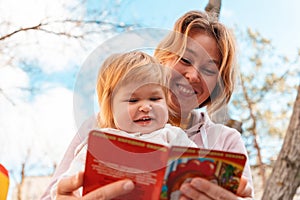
(146,107)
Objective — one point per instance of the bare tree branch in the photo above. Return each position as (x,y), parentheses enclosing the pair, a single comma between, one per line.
(36,27)
(254,132)
(76,23)
(7,98)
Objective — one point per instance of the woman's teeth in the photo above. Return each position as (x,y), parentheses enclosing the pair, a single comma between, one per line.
(185,90)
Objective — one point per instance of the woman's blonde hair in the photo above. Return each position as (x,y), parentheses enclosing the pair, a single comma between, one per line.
(173,47)
(121,69)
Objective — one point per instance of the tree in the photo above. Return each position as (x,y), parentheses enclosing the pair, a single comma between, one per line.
(287,167)
(285,178)
(265,75)
(214,7)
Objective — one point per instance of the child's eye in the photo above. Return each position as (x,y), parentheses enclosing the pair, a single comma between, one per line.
(155,98)
(132,100)
(185,61)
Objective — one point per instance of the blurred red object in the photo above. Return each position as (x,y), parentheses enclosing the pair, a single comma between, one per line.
(4,182)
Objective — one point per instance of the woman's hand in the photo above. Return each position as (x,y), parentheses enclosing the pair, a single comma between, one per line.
(200,188)
(66,189)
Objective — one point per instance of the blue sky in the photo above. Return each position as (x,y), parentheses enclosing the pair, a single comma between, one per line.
(274,19)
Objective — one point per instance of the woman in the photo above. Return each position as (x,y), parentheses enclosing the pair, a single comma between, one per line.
(202,53)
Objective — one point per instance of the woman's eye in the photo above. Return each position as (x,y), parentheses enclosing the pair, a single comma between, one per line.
(209,72)
(185,61)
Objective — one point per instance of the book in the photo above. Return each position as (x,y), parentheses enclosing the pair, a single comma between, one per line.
(157,170)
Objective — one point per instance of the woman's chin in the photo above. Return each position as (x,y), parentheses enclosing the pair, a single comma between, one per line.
(185,107)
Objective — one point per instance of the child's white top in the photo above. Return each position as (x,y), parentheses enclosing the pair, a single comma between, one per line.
(169,136)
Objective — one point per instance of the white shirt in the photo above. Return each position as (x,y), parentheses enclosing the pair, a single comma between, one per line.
(169,136)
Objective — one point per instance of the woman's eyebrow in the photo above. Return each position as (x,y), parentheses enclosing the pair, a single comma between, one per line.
(191,51)
(210,60)
(215,62)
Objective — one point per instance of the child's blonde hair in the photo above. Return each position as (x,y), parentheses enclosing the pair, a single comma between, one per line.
(173,47)
(121,69)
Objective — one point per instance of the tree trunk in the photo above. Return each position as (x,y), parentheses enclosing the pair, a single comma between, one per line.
(213,7)
(285,178)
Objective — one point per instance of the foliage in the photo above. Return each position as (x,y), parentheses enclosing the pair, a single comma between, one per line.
(271,82)
(264,99)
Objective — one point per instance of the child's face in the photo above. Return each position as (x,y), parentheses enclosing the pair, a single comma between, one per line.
(140,108)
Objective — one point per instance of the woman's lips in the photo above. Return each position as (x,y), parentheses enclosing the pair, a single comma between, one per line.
(186,90)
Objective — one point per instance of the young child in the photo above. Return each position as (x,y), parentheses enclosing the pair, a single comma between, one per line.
(133,97)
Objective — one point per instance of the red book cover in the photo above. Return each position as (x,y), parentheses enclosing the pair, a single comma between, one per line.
(111,157)
(157,170)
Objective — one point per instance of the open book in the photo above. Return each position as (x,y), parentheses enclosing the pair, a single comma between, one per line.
(157,170)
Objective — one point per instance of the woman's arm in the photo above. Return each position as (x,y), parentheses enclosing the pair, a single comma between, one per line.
(62,167)
(69,155)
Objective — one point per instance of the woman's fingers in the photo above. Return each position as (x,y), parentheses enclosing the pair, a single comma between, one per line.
(190,192)
(111,191)
(203,189)
(212,190)
(244,189)
(68,185)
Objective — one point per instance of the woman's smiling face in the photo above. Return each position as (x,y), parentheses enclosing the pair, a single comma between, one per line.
(196,74)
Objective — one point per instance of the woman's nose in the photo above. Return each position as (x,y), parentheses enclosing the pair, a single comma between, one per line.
(193,75)
(146,107)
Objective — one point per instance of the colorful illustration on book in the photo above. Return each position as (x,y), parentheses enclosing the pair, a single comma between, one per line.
(222,172)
